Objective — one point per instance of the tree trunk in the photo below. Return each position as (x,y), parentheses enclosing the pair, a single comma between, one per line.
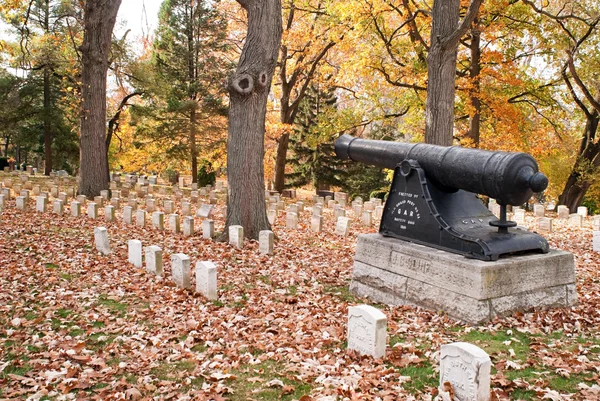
(577,184)
(98,19)
(474,72)
(441,68)
(47,124)
(248,91)
(280,162)
(193,149)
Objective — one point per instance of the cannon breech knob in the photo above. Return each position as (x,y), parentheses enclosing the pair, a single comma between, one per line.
(502,223)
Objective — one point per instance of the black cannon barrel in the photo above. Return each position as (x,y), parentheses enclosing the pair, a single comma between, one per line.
(511,178)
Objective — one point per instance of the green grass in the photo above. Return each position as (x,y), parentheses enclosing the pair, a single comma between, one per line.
(51,266)
(493,343)
(250,381)
(173,371)
(421,376)
(63,312)
(115,307)
(100,340)
(342,292)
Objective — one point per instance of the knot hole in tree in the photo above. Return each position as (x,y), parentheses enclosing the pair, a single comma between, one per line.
(243,84)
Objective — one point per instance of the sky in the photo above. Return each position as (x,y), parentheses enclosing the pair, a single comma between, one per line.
(140,16)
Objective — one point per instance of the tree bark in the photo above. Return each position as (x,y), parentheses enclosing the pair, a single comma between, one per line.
(280,162)
(193,149)
(577,184)
(99,20)
(474,72)
(441,68)
(248,91)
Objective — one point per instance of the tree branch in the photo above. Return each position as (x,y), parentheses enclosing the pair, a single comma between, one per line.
(464,26)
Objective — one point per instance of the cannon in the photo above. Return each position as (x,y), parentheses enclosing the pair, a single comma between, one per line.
(433,198)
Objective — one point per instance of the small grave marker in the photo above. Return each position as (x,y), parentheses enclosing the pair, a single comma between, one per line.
(75,209)
(563,212)
(342,226)
(154,261)
(40,204)
(208,229)
(92,210)
(575,220)
(205,211)
(140,218)
(134,252)
(316,224)
(102,241)
(158,220)
(21,203)
(127,214)
(174,223)
(109,213)
(206,280)
(539,210)
(236,236)
(467,368)
(582,211)
(367,330)
(545,224)
(180,269)
(265,242)
(188,226)
(291,220)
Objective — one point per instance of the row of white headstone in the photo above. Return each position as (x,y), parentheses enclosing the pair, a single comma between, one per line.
(464,366)
(206,271)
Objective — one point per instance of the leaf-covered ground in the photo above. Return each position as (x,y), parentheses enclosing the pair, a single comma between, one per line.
(78,325)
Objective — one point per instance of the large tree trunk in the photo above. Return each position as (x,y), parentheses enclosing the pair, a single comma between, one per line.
(248,93)
(577,184)
(98,20)
(441,68)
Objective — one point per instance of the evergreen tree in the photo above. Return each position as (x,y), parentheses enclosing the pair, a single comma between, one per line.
(191,67)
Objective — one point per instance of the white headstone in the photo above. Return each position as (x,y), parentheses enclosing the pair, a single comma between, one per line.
(98,200)
(582,211)
(188,226)
(134,253)
(174,223)
(596,223)
(342,226)
(291,220)
(2,201)
(169,207)
(316,223)
(367,218)
(21,202)
(206,280)
(205,211)
(150,205)
(519,216)
(186,208)
(367,328)
(272,216)
(40,204)
(563,212)
(109,213)
(102,241)
(545,224)
(208,229)
(92,210)
(265,242)
(140,218)
(127,214)
(180,269)
(539,210)
(158,220)
(467,368)
(154,261)
(75,209)
(575,220)
(58,207)
(104,194)
(236,236)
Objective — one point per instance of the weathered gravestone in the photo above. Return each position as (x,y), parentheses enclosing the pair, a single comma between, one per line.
(582,211)
(265,242)
(40,204)
(596,241)
(545,224)
(291,220)
(367,328)
(596,223)
(140,218)
(272,216)
(92,210)
(174,223)
(21,202)
(467,368)
(206,280)
(134,252)
(539,210)
(205,211)
(236,236)
(316,224)
(519,216)
(342,226)
(127,214)
(154,261)
(109,213)
(102,241)
(367,218)
(208,229)
(168,207)
(563,212)
(180,269)
(575,220)
(188,226)
(158,220)
(75,209)
(58,207)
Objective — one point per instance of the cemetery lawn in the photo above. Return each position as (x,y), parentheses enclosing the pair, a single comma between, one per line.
(75,324)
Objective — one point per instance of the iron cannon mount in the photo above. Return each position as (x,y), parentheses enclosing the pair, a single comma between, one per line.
(433,198)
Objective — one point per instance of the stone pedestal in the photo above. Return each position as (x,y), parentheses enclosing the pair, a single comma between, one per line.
(397,272)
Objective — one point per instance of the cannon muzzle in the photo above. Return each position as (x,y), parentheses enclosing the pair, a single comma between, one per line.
(510,178)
